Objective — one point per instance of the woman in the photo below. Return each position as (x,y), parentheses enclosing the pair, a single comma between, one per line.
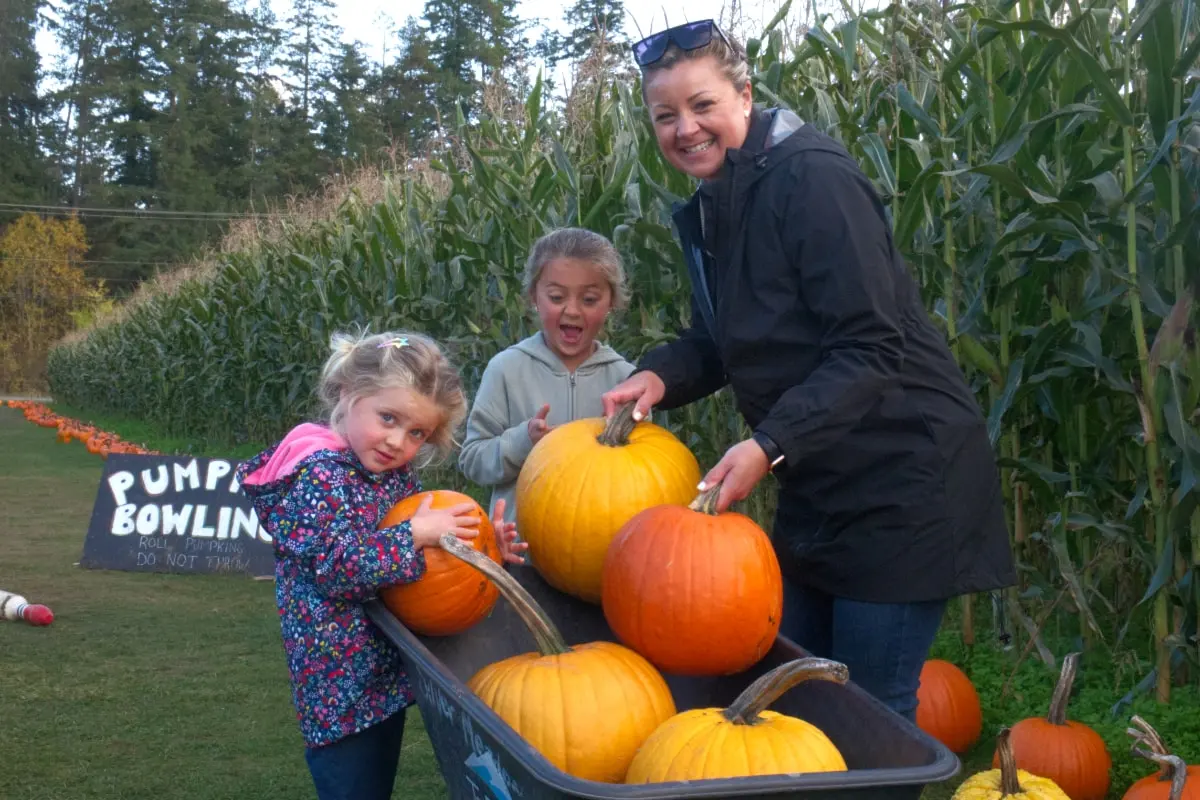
(889,498)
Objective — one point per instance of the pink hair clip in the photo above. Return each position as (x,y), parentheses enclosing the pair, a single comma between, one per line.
(398,342)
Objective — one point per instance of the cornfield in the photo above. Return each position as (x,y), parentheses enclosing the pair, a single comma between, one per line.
(1040,164)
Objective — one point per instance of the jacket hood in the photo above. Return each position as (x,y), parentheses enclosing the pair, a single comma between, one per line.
(535,347)
(299,443)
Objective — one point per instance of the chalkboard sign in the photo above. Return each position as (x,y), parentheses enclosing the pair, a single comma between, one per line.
(158,513)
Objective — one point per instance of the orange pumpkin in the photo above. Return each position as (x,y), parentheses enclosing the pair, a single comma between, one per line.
(948,707)
(694,591)
(1067,752)
(451,596)
(1175,781)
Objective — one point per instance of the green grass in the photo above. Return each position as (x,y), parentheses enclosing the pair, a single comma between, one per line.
(146,686)
(148,683)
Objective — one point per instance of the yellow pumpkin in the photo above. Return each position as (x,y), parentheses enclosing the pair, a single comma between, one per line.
(1007,781)
(585,708)
(744,739)
(584,480)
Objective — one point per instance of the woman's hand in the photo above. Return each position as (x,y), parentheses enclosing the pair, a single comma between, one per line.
(644,387)
(506,536)
(428,525)
(739,471)
(538,427)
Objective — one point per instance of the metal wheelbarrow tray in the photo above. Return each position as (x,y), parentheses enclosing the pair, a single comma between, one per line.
(481,756)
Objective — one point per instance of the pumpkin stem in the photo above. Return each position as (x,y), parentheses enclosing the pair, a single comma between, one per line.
(1009,777)
(1174,769)
(768,688)
(706,501)
(1062,691)
(619,426)
(549,641)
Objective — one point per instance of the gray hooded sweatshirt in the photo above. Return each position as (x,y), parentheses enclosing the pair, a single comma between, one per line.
(515,385)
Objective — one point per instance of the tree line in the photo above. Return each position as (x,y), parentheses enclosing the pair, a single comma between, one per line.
(160,120)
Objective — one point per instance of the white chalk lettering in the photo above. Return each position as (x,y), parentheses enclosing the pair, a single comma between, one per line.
(216,470)
(122,524)
(157,485)
(147,520)
(119,483)
(191,471)
(199,529)
(147,559)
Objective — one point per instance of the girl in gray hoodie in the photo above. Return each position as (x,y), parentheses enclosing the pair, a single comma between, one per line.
(574,278)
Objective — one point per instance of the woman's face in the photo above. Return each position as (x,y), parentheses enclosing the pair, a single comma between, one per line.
(697,114)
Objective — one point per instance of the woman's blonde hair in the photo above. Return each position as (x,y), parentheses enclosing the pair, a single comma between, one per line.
(731,58)
(582,245)
(362,364)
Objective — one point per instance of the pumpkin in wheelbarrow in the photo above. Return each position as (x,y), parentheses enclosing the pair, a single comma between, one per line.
(584,480)
(744,739)
(451,596)
(585,708)
(694,591)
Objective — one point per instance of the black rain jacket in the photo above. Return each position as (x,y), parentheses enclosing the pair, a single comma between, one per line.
(803,305)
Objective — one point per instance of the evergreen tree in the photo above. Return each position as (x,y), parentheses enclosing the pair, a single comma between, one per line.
(23,169)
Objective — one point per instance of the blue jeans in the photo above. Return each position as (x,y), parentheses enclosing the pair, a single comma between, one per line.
(883,644)
(360,767)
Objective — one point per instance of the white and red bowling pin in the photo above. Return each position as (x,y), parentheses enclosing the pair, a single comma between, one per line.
(16,608)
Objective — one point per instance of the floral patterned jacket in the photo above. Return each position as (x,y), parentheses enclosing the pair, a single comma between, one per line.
(329,559)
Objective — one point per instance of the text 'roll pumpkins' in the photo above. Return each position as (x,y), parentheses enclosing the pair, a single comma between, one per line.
(694,591)
(451,596)
(586,708)
(583,481)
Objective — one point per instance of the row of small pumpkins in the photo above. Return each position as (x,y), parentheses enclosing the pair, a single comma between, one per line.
(1054,751)
(97,442)
(610,512)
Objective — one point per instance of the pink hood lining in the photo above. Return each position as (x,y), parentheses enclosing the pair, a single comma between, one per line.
(300,442)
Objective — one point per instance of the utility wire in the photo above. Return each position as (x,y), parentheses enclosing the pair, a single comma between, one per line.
(136,212)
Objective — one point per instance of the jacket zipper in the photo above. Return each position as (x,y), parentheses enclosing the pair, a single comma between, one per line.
(571,381)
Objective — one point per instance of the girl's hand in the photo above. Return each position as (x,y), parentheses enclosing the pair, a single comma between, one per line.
(430,524)
(538,426)
(739,470)
(644,387)
(506,535)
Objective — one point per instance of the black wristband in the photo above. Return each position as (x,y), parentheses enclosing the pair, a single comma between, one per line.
(774,454)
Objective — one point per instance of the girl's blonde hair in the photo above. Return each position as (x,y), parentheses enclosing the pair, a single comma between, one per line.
(363,364)
(731,59)
(583,245)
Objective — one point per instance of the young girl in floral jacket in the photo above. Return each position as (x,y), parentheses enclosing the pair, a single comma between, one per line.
(392,399)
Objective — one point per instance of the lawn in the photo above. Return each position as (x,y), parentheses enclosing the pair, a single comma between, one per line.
(146,686)
(153,686)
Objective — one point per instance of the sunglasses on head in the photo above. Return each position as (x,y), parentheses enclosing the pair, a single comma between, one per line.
(689,37)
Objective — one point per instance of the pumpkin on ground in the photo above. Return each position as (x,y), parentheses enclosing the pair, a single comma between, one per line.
(744,739)
(1007,781)
(584,480)
(1069,753)
(451,596)
(948,707)
(585,708)
(1176,780)
(694,591)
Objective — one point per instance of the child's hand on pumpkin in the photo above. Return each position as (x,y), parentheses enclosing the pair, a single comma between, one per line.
(430,524)
(506,537)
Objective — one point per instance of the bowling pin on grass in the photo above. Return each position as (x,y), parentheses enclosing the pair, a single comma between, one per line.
(16,608)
